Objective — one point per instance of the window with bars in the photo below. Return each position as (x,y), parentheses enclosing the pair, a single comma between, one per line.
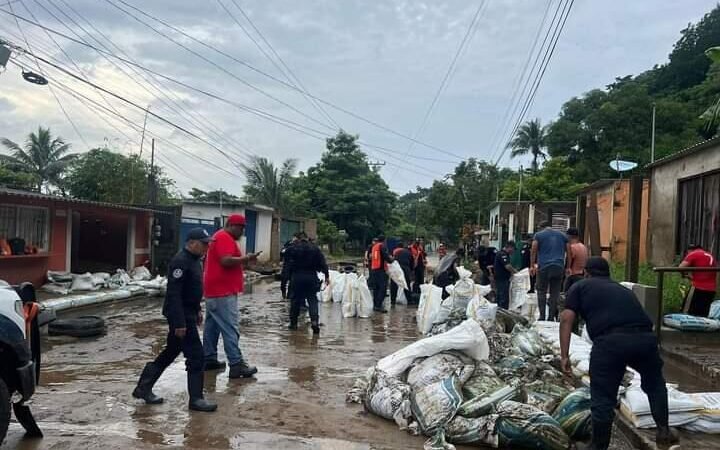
(27,223)
(699,213)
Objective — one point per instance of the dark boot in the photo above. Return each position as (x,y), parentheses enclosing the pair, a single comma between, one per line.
(195,389)
(148,377)
(601,434)
(315,327)
(242,370)
(666,437)
(214,364)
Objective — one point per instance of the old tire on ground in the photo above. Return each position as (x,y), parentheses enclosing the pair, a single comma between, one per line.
(4,410)
(83,326)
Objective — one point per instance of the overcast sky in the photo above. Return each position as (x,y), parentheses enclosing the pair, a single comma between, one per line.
(382,60)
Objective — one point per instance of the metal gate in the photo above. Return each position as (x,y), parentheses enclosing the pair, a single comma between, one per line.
(250,230)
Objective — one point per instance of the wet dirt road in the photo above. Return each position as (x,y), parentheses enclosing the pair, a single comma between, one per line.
(297,400)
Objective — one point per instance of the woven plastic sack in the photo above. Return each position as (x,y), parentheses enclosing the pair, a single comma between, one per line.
(338,287)
(350,298)
(438,367)
(686,322)
(477,431)
(83,282)
(487,404)
(388,397)
(545,396)
(519,286)
(438,442)
(714,310)
(573,414)
(397,275)
(524,426)
(140,273)
(436,404)
(429,307)
(119,280)
(528,341)
(363,297)
(483,312)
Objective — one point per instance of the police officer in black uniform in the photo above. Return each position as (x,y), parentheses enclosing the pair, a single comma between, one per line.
(182,310)
(307,261)
(622,336)
(285,289)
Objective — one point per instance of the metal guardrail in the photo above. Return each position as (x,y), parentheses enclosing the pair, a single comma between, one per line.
(661,271)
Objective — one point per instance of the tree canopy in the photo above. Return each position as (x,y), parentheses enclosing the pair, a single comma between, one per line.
(212,196)
(268,184)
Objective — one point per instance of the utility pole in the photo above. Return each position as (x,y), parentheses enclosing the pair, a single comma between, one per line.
(520,187)
(152,188)
(132,163)
(652,142)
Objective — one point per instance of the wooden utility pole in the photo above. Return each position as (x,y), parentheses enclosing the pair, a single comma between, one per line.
(632,257)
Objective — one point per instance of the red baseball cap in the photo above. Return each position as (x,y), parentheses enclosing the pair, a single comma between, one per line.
(236,219)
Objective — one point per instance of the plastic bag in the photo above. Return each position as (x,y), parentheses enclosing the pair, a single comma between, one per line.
(140,273)
(573,414)
(397,275)
(519,285)
(363,298)
(429,307)
(686,322)
(478,431)
(435,405)
(438,367)
(524,426)
(468,337)
(83,282)
(388,397)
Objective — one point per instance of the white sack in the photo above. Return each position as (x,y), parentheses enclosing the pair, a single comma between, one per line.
(338,287)
(429,307)
(467,337)
(363,298)
(83,282)
(519,286)
(349,299)
(397,275)
(140,273)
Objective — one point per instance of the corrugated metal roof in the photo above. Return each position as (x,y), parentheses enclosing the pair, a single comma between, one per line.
(192,201)
(56,198)
(686,151)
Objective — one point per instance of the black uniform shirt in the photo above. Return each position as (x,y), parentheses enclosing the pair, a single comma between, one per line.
(184,289)
(306,258)
(525,255)
(404,258)
(502,259)
(605,304)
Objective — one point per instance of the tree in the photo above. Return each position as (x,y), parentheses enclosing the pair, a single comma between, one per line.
(104,176)
(268,184)
(529,139)
(42,156)
(343,189)
(554,182)
(15,179)
(212,196)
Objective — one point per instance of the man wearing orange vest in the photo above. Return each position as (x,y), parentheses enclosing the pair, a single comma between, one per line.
(379,259)
(419,263)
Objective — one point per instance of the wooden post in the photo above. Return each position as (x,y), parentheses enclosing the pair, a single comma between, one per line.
(581,214)
(593,223)
(632,258)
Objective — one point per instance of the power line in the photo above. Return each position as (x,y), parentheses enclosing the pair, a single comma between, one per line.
(285,69)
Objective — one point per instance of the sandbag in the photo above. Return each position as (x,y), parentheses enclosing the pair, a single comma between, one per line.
(100,278)
(140,273)
(709,420)
(683,408)
(429,307)
(338,287)
(528,341)
(397,275)
(714,310)
(545,395)
(119,280)
(401,298)
(464,289)
(468,337)
(573,414)
(388,397)
(438,367)
(83,282)
(477,431)
(481,381)
(55,276)
(438,442)
(686,322)
(57,288)
(436,404)
(350,298)
(524,426)
(483,312)
(487,404)
(519,286)
(363,298)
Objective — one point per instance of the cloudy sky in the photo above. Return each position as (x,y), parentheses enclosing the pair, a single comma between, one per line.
(383,61)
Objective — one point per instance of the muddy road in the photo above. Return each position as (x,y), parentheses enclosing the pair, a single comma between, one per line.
(297,400)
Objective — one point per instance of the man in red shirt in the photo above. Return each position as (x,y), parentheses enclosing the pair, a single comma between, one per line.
(224,279)
(702,294)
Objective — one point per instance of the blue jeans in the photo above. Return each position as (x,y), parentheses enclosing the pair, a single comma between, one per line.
(221,317)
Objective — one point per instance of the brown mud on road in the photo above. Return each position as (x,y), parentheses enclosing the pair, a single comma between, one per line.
(297,400)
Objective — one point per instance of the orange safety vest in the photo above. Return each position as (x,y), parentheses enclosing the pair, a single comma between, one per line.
(376,259)
(31,311)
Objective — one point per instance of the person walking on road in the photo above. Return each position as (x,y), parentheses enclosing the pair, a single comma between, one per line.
(503,272)
(704,284)
(182,311)
(379,259)
(307,261)
(224,282)
(577,258)
(548,263)
(404,257)
(285,289)
(622,335)
(419,263)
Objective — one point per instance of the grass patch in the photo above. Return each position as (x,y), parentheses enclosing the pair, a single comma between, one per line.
(674,287)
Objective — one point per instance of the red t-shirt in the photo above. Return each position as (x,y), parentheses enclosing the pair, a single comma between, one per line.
(705,281)
(222,281)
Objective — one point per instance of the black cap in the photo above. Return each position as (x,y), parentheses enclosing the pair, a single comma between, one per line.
(573,232)
(198,234)
(597,266)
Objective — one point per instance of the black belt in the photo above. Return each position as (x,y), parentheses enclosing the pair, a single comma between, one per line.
(627,330)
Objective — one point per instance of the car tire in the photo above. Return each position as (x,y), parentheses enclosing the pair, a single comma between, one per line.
(4,410)
(83,326)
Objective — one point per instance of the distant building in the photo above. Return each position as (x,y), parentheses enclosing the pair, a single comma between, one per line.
(511,220)
(608,200)
(685,202)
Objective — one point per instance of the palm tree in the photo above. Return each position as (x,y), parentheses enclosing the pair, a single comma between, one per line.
(530,139)
(43,157)
(268,184)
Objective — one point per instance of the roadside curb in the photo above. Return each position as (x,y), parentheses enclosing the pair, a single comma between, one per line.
(637,439)
(692,365)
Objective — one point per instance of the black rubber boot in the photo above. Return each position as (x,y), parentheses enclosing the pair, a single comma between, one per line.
(195,389)
(143,390)
(601,434)
(315,327)
(665,437)
(293,324)
(242,370)
(214,364)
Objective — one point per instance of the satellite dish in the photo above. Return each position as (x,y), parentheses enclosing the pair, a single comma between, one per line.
(622,166)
